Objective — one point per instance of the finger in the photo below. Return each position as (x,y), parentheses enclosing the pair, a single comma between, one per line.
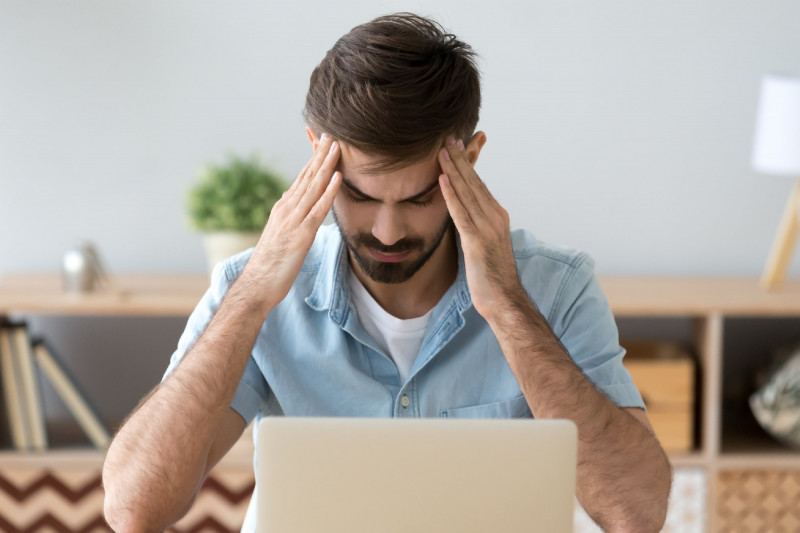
(458,155)
(301,184)
(317,184)
(323,147)
(293,187)
(464,223)
(465,192)
(310,170)
(320,209)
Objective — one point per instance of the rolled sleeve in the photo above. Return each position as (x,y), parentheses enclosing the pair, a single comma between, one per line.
(584,323)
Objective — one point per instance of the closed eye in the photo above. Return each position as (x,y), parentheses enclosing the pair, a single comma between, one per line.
(360,200)
(423,203)
(357,199)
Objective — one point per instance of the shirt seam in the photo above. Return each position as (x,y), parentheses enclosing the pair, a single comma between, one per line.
(561,257)
(228,272)
(565,282)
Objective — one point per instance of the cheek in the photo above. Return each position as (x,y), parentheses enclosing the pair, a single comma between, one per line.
(429,219)
(348,213)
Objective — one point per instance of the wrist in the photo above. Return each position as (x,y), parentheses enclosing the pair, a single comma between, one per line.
(509,305)
(252,294)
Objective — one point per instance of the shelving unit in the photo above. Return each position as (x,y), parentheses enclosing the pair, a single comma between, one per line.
(716,317)
(731,326)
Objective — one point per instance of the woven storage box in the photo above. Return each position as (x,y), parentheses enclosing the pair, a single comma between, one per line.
(664,374)
(758,500)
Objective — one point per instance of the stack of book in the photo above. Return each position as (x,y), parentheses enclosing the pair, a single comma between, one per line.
(20,358)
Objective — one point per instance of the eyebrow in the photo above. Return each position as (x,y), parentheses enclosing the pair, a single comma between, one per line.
(412,198)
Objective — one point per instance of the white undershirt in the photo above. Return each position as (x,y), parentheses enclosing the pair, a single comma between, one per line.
(400,339)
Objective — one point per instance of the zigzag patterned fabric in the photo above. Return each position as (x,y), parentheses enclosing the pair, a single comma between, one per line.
(70,500)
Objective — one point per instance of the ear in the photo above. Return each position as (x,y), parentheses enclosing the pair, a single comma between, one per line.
(312,137)
(474,147)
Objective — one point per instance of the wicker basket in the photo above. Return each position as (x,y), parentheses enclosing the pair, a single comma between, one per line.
(758,501)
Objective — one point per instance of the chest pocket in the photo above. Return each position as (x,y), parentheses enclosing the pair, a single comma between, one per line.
(515,408)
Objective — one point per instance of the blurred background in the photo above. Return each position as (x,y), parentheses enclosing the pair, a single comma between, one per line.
(618,127)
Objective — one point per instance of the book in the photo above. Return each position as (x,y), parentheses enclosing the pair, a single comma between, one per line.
(58,376)
(31,398)
(12,391)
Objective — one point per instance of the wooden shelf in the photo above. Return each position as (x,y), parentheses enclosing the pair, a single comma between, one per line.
(767,458)
(699,296)
(688,460)
(729,443)
(239,457)
(127,295)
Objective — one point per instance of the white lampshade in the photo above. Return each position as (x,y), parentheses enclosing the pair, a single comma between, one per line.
(777,142)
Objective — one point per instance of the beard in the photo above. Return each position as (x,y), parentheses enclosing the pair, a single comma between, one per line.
(392,272)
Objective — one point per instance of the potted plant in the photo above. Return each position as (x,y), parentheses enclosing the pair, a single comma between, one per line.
(231,203)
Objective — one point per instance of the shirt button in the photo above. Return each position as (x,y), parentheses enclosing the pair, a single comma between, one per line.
(404,401)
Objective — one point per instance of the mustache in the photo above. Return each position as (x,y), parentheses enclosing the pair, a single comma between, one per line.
(403,245)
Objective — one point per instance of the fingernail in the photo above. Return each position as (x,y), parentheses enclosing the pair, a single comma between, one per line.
(324,137)
(451,141)
(333,147)
(445,154)
(461,145)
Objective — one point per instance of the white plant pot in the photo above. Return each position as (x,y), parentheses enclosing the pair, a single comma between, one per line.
(220,245)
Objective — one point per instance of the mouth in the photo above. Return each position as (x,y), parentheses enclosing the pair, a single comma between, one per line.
(388,258)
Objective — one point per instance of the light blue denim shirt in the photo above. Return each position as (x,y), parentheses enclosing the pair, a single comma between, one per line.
(313,358)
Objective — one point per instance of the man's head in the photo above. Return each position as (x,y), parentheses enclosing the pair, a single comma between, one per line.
(395,88)
(391,91)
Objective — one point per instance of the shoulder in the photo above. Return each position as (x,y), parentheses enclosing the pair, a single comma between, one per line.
(551,274)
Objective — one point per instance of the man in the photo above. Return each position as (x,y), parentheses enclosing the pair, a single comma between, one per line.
(418,302)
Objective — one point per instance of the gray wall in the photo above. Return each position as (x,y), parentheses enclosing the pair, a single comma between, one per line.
(620,127)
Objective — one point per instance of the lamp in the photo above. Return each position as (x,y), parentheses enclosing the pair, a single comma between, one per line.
(776,150)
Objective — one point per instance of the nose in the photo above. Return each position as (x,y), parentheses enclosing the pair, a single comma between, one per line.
(387,227)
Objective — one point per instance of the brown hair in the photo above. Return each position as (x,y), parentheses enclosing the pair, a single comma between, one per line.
(395,88)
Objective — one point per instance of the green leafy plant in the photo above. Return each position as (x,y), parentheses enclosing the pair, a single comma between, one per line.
(235,196)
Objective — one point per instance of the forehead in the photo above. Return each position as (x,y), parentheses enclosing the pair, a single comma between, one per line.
(358,168)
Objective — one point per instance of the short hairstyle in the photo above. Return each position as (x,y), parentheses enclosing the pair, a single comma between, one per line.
(395,88)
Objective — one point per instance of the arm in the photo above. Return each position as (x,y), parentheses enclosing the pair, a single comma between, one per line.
(623,476)
(163,452)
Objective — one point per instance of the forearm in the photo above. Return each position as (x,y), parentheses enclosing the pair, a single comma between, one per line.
(157,461)
(623,476)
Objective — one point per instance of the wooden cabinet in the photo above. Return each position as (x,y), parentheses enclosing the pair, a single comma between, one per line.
(731,327)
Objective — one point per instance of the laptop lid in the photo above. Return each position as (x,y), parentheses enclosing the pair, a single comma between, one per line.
(368,475)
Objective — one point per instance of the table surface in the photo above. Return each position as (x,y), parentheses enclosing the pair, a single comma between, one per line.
(178,294)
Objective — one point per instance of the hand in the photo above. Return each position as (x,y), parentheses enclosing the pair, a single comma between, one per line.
(292,225)
(485,233)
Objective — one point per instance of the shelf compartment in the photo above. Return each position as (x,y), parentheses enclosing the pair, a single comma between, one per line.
(745,445)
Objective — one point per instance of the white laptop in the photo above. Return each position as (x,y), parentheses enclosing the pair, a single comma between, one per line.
(368,475)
